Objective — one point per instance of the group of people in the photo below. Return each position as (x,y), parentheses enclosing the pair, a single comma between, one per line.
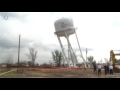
(107,68)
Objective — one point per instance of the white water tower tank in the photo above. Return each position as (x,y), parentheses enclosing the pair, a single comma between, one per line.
(64,24)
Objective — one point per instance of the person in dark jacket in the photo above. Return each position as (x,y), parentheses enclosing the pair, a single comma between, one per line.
(95,69)
(105,68)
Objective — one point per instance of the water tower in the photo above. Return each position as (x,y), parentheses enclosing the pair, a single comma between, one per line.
(64,28)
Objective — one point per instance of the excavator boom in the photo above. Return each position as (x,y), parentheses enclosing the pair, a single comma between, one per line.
(112,56)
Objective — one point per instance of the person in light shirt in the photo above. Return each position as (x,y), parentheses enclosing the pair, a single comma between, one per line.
(111,69)
(99,69)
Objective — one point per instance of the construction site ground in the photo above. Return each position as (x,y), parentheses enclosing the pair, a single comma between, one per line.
(55,73)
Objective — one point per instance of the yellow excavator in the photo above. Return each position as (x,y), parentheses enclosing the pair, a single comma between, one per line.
(112,59)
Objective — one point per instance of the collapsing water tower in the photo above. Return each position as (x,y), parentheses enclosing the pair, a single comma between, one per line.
(64,28)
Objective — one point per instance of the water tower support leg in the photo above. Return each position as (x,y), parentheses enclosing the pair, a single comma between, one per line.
(64,56)
(74,61)
(69,58)
(70,48)
(80,49)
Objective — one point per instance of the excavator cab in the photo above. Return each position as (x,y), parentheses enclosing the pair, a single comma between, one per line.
(113,60)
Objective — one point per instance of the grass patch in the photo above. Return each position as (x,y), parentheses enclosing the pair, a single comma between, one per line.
(57,73)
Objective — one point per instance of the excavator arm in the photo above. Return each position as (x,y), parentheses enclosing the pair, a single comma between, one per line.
(113,60)
(112,56)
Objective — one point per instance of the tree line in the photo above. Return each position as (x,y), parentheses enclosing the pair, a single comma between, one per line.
(56,56)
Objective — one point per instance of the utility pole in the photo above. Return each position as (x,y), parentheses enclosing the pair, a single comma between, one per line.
(18,52)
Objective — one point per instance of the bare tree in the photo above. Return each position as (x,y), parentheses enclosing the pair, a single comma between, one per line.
(29,63)
(22,63)
(101,61)
(57,57)
(9,62)
(94,63)
(37,64)
(106,60)
(32,55)
(90,59)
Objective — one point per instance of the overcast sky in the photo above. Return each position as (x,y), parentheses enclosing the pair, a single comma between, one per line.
(97,31)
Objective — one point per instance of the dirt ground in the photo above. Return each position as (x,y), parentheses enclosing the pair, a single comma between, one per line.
(57,73)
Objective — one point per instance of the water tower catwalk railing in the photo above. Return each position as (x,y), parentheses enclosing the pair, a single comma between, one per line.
(66,31)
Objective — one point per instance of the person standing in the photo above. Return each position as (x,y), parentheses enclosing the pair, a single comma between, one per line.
(108,68)
(95,69)
(111,69)
(105,68)
(99,69)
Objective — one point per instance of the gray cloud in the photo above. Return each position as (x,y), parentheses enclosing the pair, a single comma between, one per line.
(76,48)
(84,49)
(6,43)
(15,15)
(49,47)
(11,41)
(9,14)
